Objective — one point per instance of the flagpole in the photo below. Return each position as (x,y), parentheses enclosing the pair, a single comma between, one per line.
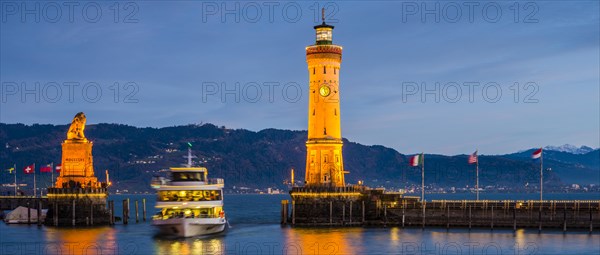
(477,173)
(34,182)
(15,169)
(52,174)
(422,177)
(541,175)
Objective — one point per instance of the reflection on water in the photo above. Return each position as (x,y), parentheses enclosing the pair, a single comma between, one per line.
(97,240)
(322,241)
(185,246)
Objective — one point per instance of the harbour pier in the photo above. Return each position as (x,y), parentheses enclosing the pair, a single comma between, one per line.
(363,206)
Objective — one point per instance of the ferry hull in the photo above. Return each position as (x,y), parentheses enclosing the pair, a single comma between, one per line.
(188,227)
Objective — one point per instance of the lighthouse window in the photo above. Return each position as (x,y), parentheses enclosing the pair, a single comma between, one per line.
(335,112)
(334,70)
(324,70)
(314,70)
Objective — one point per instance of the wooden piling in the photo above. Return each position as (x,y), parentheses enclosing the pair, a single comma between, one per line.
(125,213)
(343,213)
(403,213)
(284,213)
(144,209)
(470,218)
(28,213)
(423,215)
(137,215)
(39,212)
(110,213)
(293,212)
(515,217)
(565,218)
(55,214)
(351,212)
(92,214)
(591,222)
(447,216)
(540,219)
(363,212)
(492,226)
(330,213)
(73,221)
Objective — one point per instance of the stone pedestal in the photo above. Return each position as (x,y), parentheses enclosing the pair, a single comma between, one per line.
(77,165)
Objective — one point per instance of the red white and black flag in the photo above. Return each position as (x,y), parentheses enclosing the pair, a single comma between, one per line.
(473,158)
(58,168)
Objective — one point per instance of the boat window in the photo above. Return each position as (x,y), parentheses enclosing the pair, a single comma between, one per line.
(188,177)
(189,195)
(170,213)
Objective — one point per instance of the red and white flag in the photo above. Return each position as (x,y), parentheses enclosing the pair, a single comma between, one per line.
(473,158)
(46,169)
(416,160)
(57,168)
(29,169)
(537,154)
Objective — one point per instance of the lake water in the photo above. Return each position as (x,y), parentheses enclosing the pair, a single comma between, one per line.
(255,229)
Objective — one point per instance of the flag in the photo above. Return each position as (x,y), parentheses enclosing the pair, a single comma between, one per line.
(29,169)
(57,168)
(416,160)
(46,169)
(473,158)
(537,154)
(11,169)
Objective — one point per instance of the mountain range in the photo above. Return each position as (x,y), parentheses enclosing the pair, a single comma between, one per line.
(261,159)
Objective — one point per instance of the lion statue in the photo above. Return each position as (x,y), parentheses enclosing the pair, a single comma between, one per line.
(77,127)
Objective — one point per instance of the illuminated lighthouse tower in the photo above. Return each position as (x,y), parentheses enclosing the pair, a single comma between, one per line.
(324,163)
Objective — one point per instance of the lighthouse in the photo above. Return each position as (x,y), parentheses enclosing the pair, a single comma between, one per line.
(324,161)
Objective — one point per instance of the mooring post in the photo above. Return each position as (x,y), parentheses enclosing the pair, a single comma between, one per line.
(447,216)
(330,212)
(137,215)
(492,217)
(591,222)
(28,213)
(363,212)
(540,219)
(92,213)
(110,213)
(40,211)
(144,209)
(423,215)
(55,214)
(73,220)
(385,213)
(343,213)
(515,217)
(351,212)
(403,213)
(284,212)
(293,212)
(125,221)
(565,217)
(469,217)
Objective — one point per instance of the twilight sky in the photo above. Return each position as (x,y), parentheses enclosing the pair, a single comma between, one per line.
(510,76)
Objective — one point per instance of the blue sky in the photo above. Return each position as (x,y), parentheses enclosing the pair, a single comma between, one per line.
(168,58)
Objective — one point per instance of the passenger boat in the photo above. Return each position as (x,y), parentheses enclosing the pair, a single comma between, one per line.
(190,204)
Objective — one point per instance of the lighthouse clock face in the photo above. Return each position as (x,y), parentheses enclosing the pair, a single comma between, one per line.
(324,90)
